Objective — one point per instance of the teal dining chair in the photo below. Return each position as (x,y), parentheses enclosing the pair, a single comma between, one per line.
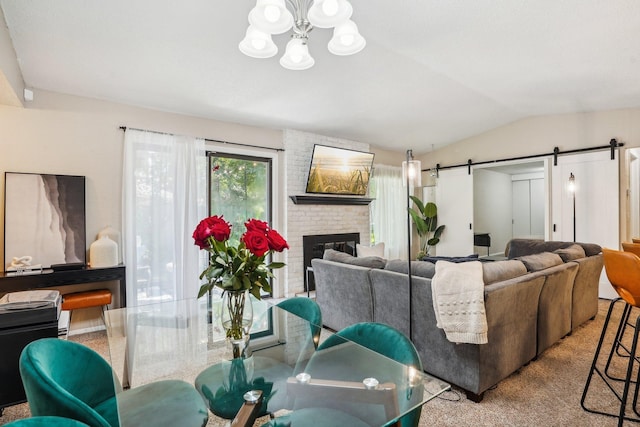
(309,310)
(46,422)
(378,337)
(66,379)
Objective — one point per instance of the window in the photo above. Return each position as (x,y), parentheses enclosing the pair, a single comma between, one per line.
(240,189)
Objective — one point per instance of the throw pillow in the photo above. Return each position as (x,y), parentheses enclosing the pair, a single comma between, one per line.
(571,253)
(540,261)
(498,271)
(369,262)
(418,268)
(375,250)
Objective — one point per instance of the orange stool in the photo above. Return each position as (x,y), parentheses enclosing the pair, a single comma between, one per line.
(98,298)
(631,247)
(623,271)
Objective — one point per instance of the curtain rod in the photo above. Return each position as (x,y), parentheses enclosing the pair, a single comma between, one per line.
(124,128)
(613,144)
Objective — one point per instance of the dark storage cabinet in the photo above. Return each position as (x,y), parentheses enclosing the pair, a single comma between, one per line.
(24,317)
(12,341)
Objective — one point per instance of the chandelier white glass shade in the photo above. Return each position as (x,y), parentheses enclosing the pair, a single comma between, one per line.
(296,56)
(270,17)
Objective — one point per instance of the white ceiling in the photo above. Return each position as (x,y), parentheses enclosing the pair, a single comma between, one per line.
(433,71)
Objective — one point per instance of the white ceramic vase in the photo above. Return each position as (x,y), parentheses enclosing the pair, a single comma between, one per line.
(103,253)
(114,235)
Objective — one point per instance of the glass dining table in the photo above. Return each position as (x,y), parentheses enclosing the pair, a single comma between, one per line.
(185,340)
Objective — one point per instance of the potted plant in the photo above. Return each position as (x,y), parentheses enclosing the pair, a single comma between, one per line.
(425,217)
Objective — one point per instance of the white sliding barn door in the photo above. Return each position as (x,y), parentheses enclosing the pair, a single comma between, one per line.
(454,197)
(596,203)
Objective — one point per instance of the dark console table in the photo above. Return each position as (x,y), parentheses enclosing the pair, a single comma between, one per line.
(10,282)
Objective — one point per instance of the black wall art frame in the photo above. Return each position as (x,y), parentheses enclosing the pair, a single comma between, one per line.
(44,218)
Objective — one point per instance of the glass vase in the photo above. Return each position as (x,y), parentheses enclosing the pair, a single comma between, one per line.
(237,317)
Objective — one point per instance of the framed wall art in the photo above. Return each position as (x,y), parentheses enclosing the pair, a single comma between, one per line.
(44,220)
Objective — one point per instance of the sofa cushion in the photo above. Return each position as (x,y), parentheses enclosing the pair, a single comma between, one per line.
(571,253)
(369,262)
(520,247)
(590,249)
(540,261)
(375,250)
(499,271)
(418,268)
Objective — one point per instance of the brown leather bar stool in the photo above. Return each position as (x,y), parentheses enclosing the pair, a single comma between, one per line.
(631,247)
(623,271)
(87,299)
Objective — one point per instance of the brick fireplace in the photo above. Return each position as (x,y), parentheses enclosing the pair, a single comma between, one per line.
(314,219)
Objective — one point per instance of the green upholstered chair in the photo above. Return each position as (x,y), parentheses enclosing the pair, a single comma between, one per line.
(382,339)
(46,422)
(67,379)
(309,310)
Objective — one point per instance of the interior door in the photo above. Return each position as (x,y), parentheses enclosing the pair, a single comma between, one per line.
(454,196)
(597,203)
(537,205)
(521,198)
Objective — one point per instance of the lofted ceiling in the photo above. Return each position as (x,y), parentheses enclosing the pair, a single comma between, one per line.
(433,71)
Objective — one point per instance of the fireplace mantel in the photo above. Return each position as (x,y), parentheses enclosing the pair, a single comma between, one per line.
(308,199)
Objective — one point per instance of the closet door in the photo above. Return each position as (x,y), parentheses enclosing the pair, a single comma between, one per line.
(596,203)
(454,197)
(521,209)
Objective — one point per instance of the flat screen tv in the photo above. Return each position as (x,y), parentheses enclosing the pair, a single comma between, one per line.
(339,171)
(44,219)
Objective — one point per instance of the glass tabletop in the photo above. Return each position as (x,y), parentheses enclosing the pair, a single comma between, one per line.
(184,340)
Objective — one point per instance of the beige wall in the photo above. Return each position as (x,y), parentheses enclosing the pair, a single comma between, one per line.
(386,157)
(70,135)
(536,135)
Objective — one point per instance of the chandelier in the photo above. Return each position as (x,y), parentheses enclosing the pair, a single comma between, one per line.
(272,17)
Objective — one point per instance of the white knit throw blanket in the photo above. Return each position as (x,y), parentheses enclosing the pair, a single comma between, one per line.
(458,301)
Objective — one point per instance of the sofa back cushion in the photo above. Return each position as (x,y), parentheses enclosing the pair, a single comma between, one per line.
(499,271)
(520,247)
(571,253)
(418,268)
(369,262)
(540,261)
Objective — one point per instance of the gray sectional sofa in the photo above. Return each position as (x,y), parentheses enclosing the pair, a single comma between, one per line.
(539,294)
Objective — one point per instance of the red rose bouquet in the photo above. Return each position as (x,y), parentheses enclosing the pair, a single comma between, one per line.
(238,267)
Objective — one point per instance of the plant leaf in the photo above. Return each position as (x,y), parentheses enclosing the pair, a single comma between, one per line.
(430,210)
(418,203)
(421,225)
(275,265)
(438,232)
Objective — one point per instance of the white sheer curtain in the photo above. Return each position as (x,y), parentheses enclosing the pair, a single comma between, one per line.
(389,210)
(164,199)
